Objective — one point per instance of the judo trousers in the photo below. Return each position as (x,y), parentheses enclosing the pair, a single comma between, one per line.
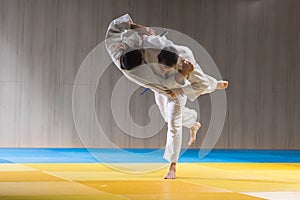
(176,115)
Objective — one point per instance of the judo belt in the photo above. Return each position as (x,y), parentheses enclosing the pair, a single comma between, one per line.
(144,91)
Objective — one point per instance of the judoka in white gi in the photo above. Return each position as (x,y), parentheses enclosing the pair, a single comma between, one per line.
(169,70)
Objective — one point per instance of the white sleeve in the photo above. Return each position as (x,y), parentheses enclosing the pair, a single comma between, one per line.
(201,83)
(118,26)
(114,37)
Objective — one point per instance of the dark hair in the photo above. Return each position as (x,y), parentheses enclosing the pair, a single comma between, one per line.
(168,56)
(131,59)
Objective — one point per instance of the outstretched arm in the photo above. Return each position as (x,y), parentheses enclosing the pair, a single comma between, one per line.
(200,83)
(221,85)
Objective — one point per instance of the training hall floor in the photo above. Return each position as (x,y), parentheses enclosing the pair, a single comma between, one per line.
(64,173)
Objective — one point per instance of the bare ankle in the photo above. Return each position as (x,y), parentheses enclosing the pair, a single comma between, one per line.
(172,166)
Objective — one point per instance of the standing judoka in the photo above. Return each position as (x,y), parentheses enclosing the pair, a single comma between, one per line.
(132,50)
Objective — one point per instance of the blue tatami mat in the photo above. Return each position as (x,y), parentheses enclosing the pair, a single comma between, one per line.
(80,155)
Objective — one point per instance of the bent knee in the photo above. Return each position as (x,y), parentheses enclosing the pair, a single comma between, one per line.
(195,114)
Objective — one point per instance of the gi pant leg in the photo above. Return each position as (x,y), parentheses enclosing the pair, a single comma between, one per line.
(189,116)
(176,115)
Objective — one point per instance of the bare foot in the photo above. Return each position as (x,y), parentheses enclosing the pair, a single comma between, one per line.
(193,133)
(171,174)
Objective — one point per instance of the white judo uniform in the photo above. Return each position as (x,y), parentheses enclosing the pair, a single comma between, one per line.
(149,75)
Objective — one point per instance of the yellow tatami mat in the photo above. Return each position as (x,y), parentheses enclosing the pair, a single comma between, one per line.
(194,181)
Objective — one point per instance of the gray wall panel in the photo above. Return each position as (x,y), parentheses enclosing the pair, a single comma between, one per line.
(254,43)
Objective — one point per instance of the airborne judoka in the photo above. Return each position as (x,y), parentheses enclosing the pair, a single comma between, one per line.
(169,70)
